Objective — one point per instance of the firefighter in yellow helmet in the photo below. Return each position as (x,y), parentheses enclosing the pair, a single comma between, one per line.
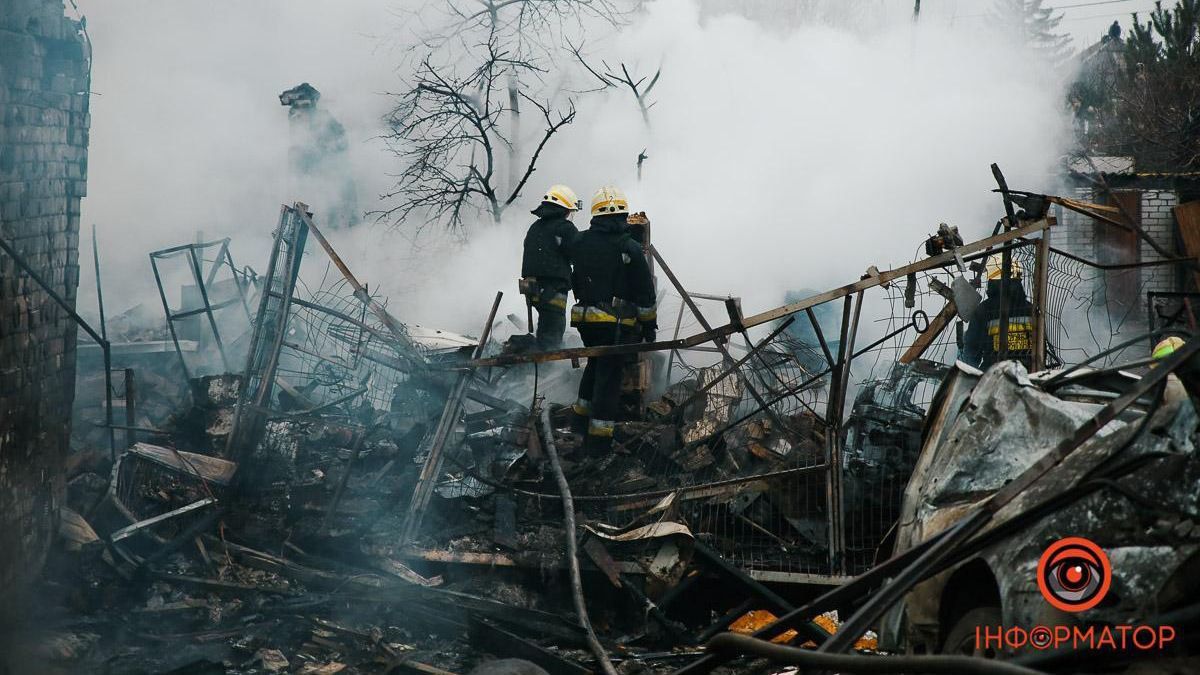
(1175,391)
(546,264)
(981,343)
(614,293)
(1166,347)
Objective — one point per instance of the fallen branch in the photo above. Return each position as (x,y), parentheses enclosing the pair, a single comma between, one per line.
(572,548)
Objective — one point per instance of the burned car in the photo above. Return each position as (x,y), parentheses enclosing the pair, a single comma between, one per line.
(1130,488)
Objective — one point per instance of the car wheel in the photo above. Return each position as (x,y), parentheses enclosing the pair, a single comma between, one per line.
(960,639)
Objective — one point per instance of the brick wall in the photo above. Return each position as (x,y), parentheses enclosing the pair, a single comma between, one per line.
(1158,219)
(43,167)
(1076,234)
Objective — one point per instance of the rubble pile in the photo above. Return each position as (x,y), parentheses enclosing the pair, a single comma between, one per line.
(369,497)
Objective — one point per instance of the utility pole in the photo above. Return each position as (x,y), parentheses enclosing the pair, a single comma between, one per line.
(916,10)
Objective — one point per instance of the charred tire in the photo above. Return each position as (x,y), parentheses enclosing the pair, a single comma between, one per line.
(960,639)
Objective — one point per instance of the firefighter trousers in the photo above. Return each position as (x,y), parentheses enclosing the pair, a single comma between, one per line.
(600,388)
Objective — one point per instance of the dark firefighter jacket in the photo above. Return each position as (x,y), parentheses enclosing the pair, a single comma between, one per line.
(548,243)
(981,343)
(610,264)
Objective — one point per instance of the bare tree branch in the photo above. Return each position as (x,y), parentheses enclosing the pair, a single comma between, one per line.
(552,127)
(608,78)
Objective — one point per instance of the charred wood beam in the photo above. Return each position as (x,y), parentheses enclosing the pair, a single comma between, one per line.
(1130,223)
(934,262)
(270,330)
(345,479)
(432,469)
(189,533)
(500,642)
(723,621)
(604,561)
(1041,295)
(932,330)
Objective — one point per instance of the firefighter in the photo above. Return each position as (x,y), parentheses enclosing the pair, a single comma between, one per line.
(614,295)
(1166,347)
(546,265)
(1175,390)
(981,344)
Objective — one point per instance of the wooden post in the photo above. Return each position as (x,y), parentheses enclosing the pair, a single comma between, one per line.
(130,409)
(1041,296)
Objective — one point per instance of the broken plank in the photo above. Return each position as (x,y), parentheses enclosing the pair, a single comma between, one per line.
(926,339)
(130,530)
(500,642)
(1188,217)
(217,584)
(411,666)
(204,467)
(937,261)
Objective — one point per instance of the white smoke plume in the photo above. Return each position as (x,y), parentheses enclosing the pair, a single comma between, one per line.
(779,159)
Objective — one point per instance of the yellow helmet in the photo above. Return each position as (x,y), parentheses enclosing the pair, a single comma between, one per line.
(609,199)
(995,267)
(1167,347)
(563,196)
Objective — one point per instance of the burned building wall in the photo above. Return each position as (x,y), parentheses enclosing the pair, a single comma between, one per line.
(1152,206)
(44,78)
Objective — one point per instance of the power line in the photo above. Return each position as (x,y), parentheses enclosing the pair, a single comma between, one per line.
(1088,4)
(1098,16)
(1052,9)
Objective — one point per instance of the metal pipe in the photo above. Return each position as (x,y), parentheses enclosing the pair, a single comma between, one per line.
(720,344)
(812,318)
(105,348)
(107,351)
(99,287)
(162,294)
(212,320)
(572,553)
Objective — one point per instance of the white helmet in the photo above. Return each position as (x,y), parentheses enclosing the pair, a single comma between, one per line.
(563,196)
(609,199)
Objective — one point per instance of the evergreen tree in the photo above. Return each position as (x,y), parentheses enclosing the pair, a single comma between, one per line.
(1034,26)
(1148,107)
(1155,113)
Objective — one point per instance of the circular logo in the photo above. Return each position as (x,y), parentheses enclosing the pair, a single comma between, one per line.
(1074,574)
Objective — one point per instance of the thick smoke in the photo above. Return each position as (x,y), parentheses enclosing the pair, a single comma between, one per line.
(188,135)
(778,159)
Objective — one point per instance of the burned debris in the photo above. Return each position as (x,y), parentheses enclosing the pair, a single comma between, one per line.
(369,496)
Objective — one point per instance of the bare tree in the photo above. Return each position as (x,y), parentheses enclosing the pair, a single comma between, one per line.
(608,77)
(447,130)
(459,135)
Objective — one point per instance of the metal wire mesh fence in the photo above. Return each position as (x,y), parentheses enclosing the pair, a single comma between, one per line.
(800,517)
